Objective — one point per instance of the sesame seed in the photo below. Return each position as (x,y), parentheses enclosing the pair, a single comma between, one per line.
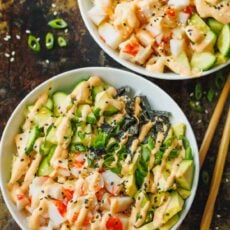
(18,37)
(7,55)
(12,59)
(218,215)
(13,53)
(53,5)
(47,61)
(28,31)
(55,13)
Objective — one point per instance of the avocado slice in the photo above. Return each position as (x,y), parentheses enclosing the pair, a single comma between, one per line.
(183,193)
(170,223)
(169,136)
(158,199)
(162,182)
(102,102)
(174,205)
(166,226)
(45,168)
(130,185)
(179,129)
(184,176)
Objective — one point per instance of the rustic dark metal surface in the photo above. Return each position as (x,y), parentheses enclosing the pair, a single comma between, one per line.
(21,70)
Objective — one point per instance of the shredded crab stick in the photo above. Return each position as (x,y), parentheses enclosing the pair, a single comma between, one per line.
(98,158)
(166,35)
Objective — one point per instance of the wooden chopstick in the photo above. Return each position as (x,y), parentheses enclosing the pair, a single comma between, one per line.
(217,175)
(214,121)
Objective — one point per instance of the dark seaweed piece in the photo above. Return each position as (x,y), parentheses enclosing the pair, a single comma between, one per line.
(144,117)
(134,129)
(97,151)
(160,113)
(129,107)
(129,143)
(145,105)
(107,128)
(124,91)
(128,122)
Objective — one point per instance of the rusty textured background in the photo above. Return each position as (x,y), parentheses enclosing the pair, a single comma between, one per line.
(24,70)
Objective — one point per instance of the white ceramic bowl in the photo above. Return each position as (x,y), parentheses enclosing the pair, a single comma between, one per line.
(157,97)
(86,5)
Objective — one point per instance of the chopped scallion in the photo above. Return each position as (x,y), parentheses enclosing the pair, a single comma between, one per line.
(33,43)
(58,23)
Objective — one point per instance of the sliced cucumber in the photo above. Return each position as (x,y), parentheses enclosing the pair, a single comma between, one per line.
(198,22)
(220,59)
(33,135)
(61,103)
(223,42)
(45,168)
(49,104)
(215,26)
(203,61)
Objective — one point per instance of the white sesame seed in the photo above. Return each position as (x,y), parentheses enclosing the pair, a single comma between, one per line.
(38,39)
(191,94)
(55,13)
(18,37)
(206,111)
(13,53)
(216,227)
(28,31)
(66,31)
(12,59)
(227,180)
(199,121)
(7,55)
(7,38)
(197,103)
(47,61)
(218,215)
(53,5)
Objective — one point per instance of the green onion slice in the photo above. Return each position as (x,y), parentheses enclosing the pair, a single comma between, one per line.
(198,91)
(211,94)
(58,23)
(196,106)
(33,43)
(62,42)
(49,40)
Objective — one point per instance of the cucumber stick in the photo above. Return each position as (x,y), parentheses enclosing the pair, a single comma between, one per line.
(203,61)
(215,26)
(223,42)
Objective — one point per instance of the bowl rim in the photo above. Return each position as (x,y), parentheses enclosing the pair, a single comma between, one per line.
(86,70)
(131,66)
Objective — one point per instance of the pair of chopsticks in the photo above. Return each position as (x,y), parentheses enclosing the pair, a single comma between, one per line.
(221,156)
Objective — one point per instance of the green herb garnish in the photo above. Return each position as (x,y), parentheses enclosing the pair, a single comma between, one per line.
(33,43)
(62,42)
(58,23)
(49,40)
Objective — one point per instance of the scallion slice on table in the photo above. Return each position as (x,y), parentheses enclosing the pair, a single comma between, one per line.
(62,41)
(49,41)
(33,43)
(198,91)
(58,23)
(211,94)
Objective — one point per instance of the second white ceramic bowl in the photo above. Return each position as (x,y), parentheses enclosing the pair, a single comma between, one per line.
(86,5)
